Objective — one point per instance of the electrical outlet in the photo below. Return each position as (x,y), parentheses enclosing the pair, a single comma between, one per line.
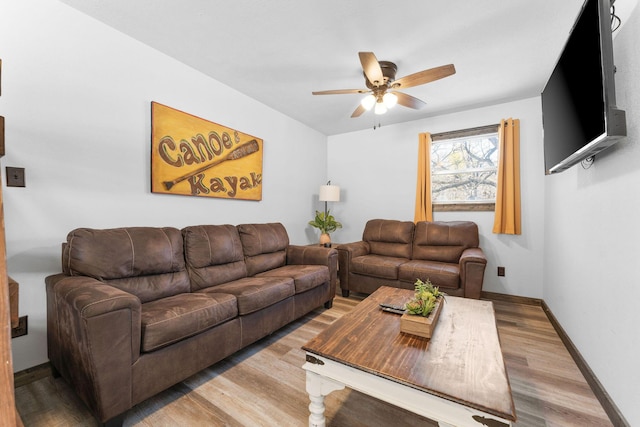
(500,271)
(21,329)
(15,177)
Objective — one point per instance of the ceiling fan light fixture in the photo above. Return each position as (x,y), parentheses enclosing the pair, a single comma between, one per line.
(380,108)
(390,99)
(368,101)
(383,88)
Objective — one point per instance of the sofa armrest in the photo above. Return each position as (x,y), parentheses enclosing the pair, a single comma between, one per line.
(472,265)
(306,255)
(346,252)
(354,249)
(94,333)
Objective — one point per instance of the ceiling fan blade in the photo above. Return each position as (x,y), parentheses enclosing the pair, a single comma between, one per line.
(371,68)
(409,101)
(339,91)
(358,111)
(424,76)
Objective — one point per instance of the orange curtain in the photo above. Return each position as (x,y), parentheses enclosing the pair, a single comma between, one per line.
(423,188)
(507,210)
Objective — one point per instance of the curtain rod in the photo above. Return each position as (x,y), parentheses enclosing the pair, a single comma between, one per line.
(465,132)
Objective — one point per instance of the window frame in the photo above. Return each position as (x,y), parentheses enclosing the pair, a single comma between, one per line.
(463,206)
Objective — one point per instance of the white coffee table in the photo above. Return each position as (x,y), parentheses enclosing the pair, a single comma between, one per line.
(458,378)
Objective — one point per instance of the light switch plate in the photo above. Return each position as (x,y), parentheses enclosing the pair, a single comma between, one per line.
(15,177)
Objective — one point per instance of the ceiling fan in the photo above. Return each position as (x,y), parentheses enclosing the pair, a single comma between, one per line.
(380,79)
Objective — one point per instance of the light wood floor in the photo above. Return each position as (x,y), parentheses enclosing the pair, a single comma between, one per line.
(264,384)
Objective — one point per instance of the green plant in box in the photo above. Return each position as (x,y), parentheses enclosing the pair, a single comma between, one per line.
(424,299)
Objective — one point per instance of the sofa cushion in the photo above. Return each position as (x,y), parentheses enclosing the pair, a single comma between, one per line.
(213,255)
(389,237)
(256,293)
(444,241)
(145,261)
(171,319)
(384,267)
(304,277)
(441,274)
(264,246)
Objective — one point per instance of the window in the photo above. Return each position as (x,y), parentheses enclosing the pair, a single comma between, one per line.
(464,169)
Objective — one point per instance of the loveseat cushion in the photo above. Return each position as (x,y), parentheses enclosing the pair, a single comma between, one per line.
(264,246)
(384,267)
(145,261)
(256,293)
(441,274)
(389,237)
(304,277)
(174,318)
(213,255)
(444,241)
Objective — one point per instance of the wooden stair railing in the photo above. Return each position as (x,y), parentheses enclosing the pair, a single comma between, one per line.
(8,414)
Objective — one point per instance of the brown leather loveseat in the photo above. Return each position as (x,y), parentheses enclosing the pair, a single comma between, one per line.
(137,310)
(396,253)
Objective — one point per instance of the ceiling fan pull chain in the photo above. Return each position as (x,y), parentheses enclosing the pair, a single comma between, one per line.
(374,123)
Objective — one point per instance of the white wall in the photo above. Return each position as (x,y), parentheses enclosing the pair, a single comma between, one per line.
(76,96)
(377,173)
(591,254)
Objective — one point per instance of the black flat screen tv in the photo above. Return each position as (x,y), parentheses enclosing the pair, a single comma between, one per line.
(579,114)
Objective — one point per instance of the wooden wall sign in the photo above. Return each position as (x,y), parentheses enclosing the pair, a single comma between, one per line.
(195,157)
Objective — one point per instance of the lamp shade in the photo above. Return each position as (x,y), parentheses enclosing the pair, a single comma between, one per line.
(368,101)
(390,99)
(380,108)
(329,193)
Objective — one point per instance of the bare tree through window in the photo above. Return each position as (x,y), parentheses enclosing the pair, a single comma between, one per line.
(464,168)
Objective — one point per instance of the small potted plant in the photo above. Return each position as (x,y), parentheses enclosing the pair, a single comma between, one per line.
(424,299)
(327,224)
(422,310)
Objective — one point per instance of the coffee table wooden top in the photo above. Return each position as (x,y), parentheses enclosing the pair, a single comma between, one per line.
(462,361)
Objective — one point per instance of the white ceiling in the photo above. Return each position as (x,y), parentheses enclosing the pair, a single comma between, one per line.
(279,51)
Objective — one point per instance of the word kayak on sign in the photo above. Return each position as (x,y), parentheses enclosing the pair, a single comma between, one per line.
(217,185)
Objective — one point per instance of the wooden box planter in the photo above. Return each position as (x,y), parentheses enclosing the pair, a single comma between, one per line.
(419,325)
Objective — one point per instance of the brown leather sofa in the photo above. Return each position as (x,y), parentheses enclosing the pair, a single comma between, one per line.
(396,253)
(137,310)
